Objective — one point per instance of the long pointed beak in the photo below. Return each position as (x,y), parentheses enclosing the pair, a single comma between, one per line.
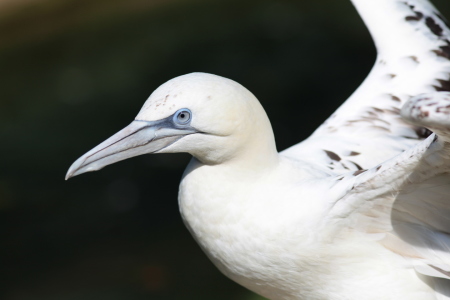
(140,137)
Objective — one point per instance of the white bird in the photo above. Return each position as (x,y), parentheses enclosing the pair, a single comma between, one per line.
(359,210)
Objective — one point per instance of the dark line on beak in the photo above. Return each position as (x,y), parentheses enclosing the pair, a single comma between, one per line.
(113,152)
(181,136)
(134,132)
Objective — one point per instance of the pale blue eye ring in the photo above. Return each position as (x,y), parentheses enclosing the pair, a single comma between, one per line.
(182,116)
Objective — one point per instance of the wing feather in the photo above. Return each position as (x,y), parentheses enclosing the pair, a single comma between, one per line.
(413,44)
(393,177)
(406,202)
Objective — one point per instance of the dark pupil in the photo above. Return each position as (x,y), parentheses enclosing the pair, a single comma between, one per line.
(182,115)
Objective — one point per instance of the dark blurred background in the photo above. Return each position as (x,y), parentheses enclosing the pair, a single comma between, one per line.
(74,72)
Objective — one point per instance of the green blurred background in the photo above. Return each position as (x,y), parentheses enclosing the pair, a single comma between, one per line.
(74,72)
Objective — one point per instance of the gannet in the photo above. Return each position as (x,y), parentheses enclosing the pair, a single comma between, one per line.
(359,210)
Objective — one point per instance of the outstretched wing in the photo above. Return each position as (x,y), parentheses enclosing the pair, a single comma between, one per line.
(413,44)
(405,201)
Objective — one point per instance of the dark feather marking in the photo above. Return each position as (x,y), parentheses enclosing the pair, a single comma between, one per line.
(417,17)
(417,14)
(433,26)
(444,51)
(332,129)
(444,85)
(414,58)
(443,109)
(395,98)
(357,166)
(353,153)
(423,132)
(423,114)
(396,109)
(379,167)
(358,172)
(332,155)
(392,110)
(377,109)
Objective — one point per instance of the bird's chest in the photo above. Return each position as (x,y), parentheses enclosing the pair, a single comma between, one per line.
(252,234)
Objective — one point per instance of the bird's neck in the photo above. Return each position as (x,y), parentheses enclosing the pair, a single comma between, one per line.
(251,151)
(258,155)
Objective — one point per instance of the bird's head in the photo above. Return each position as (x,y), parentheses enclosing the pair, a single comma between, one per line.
(213,118)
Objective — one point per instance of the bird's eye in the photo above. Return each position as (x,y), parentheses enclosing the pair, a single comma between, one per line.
(183,116)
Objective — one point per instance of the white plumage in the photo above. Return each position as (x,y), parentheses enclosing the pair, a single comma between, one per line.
(359,210)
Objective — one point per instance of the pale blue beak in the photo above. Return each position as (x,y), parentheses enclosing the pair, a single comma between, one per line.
(140,137)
